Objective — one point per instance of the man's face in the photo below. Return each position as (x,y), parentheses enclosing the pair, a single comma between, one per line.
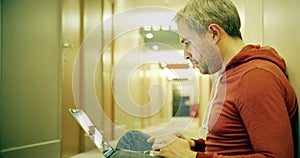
(200,49)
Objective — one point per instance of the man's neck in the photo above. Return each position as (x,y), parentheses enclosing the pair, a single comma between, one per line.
(229,47)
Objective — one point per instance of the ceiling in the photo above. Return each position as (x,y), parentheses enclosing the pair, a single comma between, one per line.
(168,38)
(157,13)
(171,4)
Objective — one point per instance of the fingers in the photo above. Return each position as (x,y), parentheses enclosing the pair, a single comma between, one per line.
(180,135)
(178,148)
(156,153)
(159,143)
(151,139)
(177,134)
(163,153)
(158,147)
(163,141)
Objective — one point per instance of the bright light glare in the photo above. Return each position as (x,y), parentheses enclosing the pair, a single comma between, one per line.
(155,28)
(149,35)
(147,28)
(155,47)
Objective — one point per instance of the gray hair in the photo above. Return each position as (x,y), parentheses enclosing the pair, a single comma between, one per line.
(202,13)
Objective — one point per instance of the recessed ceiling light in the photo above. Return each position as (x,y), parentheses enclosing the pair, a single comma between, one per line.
(155,28)
(155,47)
(147,28)
(149,35)
(165,28)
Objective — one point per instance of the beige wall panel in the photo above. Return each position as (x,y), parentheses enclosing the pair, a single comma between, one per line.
(30,79)
(252,21)
(281,30)
(71,28)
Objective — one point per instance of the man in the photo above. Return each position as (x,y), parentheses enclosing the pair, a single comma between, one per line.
(254,111)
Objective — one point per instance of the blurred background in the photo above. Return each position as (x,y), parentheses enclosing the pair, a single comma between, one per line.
(45,70)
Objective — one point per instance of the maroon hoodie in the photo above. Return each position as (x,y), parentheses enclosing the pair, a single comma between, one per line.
(255,109)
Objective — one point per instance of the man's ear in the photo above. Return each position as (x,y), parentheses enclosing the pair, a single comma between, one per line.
(215,31)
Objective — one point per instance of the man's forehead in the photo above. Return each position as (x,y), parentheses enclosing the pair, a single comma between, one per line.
(182,25)
(184,30)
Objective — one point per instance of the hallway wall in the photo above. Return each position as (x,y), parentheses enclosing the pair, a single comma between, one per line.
(281,32)
(30,79)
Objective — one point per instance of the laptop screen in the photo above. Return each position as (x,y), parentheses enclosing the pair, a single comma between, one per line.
(91,130)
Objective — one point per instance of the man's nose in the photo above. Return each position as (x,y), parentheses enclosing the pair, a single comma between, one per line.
(187,55)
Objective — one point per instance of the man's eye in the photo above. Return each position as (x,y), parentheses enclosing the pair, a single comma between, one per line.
(186,42)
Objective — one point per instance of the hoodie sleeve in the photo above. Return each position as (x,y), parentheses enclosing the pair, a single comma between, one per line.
(199,145)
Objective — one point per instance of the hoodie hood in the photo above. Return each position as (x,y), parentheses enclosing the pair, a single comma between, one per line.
(256,52)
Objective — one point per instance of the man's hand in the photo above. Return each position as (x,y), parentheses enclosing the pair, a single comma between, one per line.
(179,148)
(191,142)
(161,141)
(173,145)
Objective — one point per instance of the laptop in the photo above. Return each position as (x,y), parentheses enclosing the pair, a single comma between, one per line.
(98,138)
(95,135)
